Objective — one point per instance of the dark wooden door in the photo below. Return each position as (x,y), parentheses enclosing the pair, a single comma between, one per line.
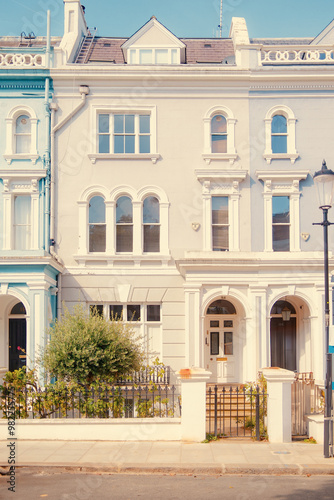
(283,343)
(17,338)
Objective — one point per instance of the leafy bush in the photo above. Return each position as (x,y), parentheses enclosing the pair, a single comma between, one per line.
(84,348)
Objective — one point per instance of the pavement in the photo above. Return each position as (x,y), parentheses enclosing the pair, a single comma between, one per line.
(226,456)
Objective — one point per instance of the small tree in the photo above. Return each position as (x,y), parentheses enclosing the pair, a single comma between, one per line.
(85,348)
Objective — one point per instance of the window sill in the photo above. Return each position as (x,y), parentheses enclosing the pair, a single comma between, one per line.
(10,158)
(154,157)
(110,259)
(281,156)
(220,157)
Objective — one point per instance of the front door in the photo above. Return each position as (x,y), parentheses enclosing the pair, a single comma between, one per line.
(17,342)
(221,350)
(283,343)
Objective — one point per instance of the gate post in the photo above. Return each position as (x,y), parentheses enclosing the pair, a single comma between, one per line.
(279,403)
(193,400)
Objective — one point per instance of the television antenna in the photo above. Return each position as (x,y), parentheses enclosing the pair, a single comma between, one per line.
(220,26)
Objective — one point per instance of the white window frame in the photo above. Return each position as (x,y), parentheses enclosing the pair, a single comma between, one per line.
(97,110)
(291,153)
(134,54)
(14,187)
(231,154)
(221,183)
(142,326)
(137,198)
(282,183)
(10,152)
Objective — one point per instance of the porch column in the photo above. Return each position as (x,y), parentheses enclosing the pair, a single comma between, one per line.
(193,394)
(194,340)
(260,335)
(279,403)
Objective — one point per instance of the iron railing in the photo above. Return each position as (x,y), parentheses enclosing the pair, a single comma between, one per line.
(141,401)
(153,374)
(236,412)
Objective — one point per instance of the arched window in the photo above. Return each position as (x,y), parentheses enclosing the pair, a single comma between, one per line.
(218,134)
(221,306)
(279,134)
(22,134)
(280,130)
(18,309)
(151,224)
(97,224)
(124,225)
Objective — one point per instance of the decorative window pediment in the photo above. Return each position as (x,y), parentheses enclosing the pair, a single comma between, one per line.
(153,44)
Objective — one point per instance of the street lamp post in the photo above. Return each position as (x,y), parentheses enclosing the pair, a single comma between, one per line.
(324,181)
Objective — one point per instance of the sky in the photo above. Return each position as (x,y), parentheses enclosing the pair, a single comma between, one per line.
(185,18)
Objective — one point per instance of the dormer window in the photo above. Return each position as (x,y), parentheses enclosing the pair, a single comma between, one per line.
(153,44)
(154,56)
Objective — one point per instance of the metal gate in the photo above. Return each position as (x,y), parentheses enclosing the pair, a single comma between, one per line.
(303,400)
(233,411)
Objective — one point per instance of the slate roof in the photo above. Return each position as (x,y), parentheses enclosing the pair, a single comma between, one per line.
(198,50)
(282,41)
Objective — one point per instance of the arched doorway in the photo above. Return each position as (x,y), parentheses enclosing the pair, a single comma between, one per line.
(221,346)
(283,335)
(17,337)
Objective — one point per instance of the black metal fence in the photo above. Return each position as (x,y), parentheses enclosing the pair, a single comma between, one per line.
(139,401)
(236,412)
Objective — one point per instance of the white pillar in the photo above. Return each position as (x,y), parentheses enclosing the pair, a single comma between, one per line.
(193,394)
(279,404)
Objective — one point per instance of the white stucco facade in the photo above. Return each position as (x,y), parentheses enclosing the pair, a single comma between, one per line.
(184,276)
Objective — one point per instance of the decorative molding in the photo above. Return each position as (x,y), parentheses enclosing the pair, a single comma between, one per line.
(154,157)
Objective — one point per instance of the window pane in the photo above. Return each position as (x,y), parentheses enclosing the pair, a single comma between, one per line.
(279,143)
(132,56)
(218,125)
(228,343)
(145,56)
(144,124)
(104,124)
(96,309)
(161,56)
(119,144)
(174,56)
(133,312)
(23,144)
(119,124)
(219,210)
(153,312)
(151,238)
(116,311)
(96,210)
(124,210)
(22,227)
(129,144)
(104,142)
(129,124)
(214,343)
(219,238)
(219,144)
(281,209)
(278,125)
(124,238)
(23,125)
(151,210)
(22,209)
(18,309)
(97,238)
(144,144)
(281,238)
(221,306)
